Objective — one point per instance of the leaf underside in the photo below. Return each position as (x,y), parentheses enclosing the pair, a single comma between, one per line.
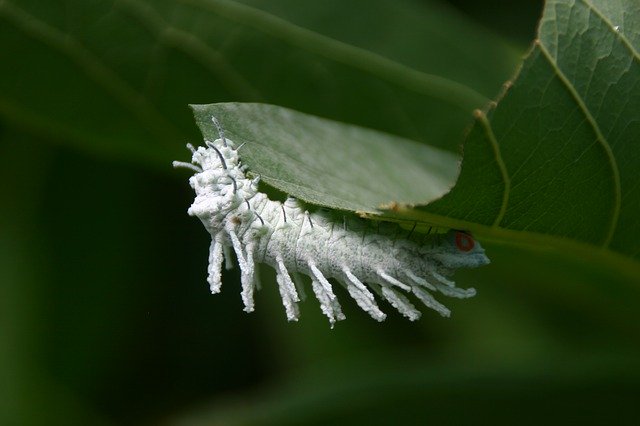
(329,163)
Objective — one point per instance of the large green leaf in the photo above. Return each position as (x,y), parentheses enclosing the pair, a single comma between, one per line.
(556,161)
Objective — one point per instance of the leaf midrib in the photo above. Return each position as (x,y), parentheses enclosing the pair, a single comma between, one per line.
(504,172)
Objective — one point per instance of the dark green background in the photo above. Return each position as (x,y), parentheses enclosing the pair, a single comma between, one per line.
(105,316)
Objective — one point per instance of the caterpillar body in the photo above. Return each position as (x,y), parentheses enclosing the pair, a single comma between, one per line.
(363,256)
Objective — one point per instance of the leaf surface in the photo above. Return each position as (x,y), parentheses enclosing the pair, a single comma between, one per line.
(330,163)
(556,160)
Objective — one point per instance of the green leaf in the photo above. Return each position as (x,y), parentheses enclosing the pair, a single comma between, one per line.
(556,161)
(115,76)
(330,163)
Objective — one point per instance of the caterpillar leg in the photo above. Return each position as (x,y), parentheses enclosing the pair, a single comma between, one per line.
(443,285)
(247,269)
(287,289)
(391,280)
(397,300)
(363,297)
(460,293)
(317,274)
(448,288)
(400,302)
(420,281)
(187,166)
(247,279)
(237,246)
(215,264)
(256,277)
(330,307)
(430,302)
(324,293)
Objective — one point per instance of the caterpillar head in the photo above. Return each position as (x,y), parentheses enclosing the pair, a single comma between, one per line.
(219,181)
(458,249)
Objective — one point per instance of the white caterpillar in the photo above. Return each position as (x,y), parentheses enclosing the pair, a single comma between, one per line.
(355,252)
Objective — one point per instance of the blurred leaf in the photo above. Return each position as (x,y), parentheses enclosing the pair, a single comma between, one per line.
(428,35)
(28,393)
(376,392)
(330,163)
(115,76)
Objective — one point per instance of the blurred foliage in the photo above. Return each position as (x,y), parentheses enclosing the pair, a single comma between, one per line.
(105,316)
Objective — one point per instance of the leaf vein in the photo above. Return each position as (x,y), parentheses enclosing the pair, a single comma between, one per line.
(625,41)
(486,125)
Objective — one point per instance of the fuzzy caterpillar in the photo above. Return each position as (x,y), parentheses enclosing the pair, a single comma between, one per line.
(355,253)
